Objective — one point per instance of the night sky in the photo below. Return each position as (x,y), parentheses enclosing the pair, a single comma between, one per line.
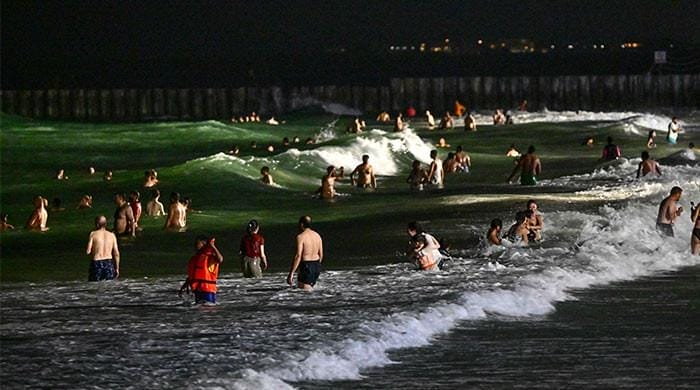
(48,34)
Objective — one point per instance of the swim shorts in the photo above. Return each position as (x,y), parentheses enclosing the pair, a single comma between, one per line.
(309,272)
(251,267)
(101,270)
(204,297)
(528,179)
(665,228)
(696,233)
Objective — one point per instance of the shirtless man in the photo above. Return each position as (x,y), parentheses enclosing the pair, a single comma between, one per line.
(695,235)
(647,166)
(155,208)
(266,178)
(535,222)
(469,122)
(365,174)
(37,221)
(177,213)
(529,166)
(124,222)
(399,124)
(436,175)
(308,257)
(102,246)
(668,212)
(328,182)
(417,177)
(463,159)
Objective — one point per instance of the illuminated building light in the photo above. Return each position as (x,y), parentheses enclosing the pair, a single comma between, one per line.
(480,42)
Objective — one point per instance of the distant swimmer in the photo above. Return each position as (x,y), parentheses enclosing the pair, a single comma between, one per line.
(308,256)
(450,164)
(150,178)
(266,177)
(365,174)
(436,176)
(673,129)
(327,190)
(447,122)
(650,139)
(203,271)
(469,122)
(252,251)
(431,245)
(611,151)
(529,166)
(519,231)
(107,176)
(669,211)
(399,124)
(154,208)
(647,165)
(429,119)
(535,221)
(136,208)
(695,235)
(422,256)
(85,202)
(442,143)
(523,105)
(4,224)
(102,246)
(177,213)
(124,223)
(61,175)
(493,235)
(512,152)
(459,109)
(418,176)
(384,117)
(499,118)
(272,121)
(37,221)
(589,141)
(463,160)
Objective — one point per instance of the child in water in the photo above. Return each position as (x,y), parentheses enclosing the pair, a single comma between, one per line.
(494,232)
(423,258)
(266,177)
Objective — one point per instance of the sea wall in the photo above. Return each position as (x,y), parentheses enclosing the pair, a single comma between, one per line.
(587,92)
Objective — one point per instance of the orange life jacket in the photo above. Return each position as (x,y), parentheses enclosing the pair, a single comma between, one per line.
(201,272)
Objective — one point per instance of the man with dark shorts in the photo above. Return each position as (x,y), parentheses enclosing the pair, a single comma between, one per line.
(529,166)
(668,212)
(308,257)
(102,245)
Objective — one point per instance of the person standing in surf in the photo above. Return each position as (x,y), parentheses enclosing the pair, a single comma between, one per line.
(365,174)
(327,190)
(647,166)
(203,271)
(37,221)
(535,222)
(124,223)
(177,214)
(673,129)
(252,251)
(102,245)
(436,175)
(695,235)
(418,176)
(529,166)
(611,151)
(493,235)
(308,256)
(668,212)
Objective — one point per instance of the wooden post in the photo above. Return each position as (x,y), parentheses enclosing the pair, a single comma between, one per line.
(210,104)
(132,105)
(92,105)
(449,92)
(9,102)
(105,105)
(52,108)
(158,103)
(385,98)
(184,104)
(119,101)
(437,96)
(170,106)
(237,101)
(79,110)
(39,104)
(25,103)
(424,101)
(357,98)
(197,104)
(371,99)
(397,95)
(65,104)
(409,88)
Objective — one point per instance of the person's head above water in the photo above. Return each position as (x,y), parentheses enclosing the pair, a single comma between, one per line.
(414,228)
(330,169)
(645,155)
(496,223)
(531,149)
(305,222)
(365,158)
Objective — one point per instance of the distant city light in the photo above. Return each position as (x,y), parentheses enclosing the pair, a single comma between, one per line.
(552,46)
(570,46)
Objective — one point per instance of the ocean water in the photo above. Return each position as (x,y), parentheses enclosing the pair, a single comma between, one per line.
(544,316)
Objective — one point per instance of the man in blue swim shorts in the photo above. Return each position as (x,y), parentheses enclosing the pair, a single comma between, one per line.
(308,257)
(102,246)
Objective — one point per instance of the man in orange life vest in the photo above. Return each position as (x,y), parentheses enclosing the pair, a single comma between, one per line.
(203,270)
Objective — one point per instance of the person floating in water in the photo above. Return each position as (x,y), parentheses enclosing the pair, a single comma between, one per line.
(308,256)
(155,208)
(365,174)
(124,223)
(535,222)
(611,151)
(695,235)
(673,129)
(102,246)
(418,176)
(669,211)
(203,271)
(4,224)
(252,251)
(177,214)
(647,165)
(529,166)
(266,177)
(493,235)
(37,221)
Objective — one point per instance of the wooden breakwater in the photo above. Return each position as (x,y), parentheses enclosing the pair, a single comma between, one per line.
(587,92)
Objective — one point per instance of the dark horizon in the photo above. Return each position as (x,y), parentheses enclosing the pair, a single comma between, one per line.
(108,43)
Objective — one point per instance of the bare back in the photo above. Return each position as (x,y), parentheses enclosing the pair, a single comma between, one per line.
(309,246)
(102,245)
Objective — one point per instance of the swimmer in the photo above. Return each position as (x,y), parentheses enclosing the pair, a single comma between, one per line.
(154,208)
(459,109)
(650,139)
(308,256)
(357,126)
(647,165)
(266,177)
(270,148)
(135,204)
(4,225)
(418,176)
(37,221)
(523,105)
(695,235)
(535,222)
(499,118)
(673,129)
(124,224)
(107,176)
(399,124)
(512,152)
(253,145)
(234,151)
(252,251)
(177,213)
(668,212)
(285,142)
(518,233)
(102,247)
(61,175)
(85,202)
(463,159)
(447,122)
(450,164)
(436,176)
(272,121)
(589,141)
(611,151)
(442,143)
(150,178)
(493,235)
(327,189)
(469,122)
(384,117)
(422,257)
(529,166)
(91,171)
(430,120)
(365,174)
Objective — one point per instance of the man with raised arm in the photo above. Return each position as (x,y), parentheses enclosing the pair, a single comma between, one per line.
(668,212)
